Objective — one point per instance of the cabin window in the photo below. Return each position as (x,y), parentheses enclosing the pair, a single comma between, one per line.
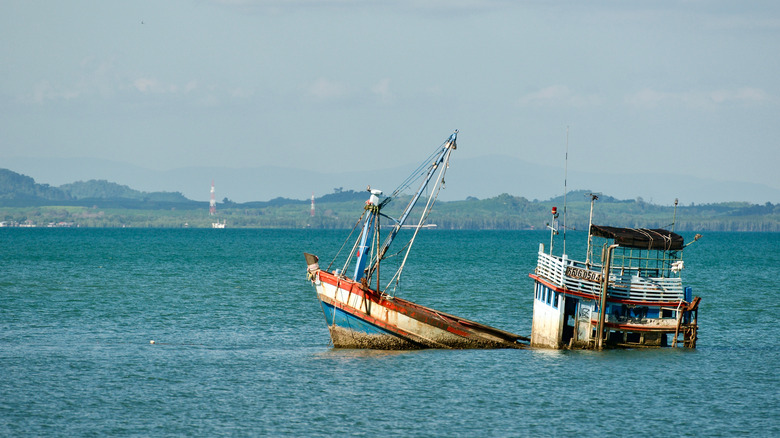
(668,313)
(547,295)
(555,300)
(633,337)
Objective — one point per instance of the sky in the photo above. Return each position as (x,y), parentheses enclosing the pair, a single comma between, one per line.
(685,87)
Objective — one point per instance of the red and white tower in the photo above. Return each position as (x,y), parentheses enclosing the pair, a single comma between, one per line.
(312,204)
(213,201)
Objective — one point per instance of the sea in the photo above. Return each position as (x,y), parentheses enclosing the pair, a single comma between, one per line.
(217,332)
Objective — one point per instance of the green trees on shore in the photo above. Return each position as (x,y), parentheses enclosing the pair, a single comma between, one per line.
(105,204)
(503,212)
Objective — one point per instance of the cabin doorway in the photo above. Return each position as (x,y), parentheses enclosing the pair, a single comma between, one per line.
(569,319)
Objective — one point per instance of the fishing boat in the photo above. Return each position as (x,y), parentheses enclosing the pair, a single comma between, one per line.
(627,293)
(361,313)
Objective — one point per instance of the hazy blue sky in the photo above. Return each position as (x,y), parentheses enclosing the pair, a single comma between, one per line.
(682,87)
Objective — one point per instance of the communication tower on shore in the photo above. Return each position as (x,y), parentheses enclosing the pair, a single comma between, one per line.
(312,204)
(212,201)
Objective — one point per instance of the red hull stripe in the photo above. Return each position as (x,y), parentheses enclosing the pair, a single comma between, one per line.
(639,328)
(370,319)
(427,316)
(399,305)
(457,332)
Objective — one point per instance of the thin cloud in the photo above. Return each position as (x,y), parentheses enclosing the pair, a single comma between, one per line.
(101,80)
(44,91)
(154,86)
(745,95)
(559,95)
(382,90)
(649,98)
(440,9)
(325,89)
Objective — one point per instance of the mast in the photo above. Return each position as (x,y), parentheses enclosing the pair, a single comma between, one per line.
(565,188)
(372,206)
(374,210)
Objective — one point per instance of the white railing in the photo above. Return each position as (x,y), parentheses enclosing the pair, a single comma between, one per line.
(622,284)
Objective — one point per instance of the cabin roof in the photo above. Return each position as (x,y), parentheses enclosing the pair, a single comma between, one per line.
(641,238)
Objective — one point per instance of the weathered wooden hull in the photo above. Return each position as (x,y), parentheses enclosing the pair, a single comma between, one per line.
(359,317)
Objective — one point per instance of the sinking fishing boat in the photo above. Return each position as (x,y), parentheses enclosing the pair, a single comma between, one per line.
(627,293)
(360,313)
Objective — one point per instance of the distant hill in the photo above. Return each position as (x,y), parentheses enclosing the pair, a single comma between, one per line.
(17,189)
(102,189)
(481,177)
(14,186)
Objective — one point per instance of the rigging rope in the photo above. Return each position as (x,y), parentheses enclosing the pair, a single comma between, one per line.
(426,212)
(354,247)
(416,173)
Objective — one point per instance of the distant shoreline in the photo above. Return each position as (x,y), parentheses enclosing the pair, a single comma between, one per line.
(103,204)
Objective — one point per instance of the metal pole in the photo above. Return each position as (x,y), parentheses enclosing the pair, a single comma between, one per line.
(376,245)
(606,260)
(593,197)
(565,187)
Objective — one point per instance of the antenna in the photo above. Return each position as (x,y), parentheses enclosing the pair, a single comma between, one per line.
(565,189)
(553,226)
(593,197)
(674,218)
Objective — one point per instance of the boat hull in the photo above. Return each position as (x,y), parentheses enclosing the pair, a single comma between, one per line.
(359,317)
(646,312)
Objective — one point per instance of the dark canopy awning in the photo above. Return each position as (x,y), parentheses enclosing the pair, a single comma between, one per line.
(641,238)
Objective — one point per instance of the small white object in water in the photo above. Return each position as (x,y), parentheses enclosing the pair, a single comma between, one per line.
(152,341)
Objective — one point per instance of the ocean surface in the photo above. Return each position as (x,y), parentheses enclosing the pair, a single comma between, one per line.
(241,347)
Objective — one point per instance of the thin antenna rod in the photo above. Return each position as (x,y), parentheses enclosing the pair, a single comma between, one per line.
(593,197)
(565,188)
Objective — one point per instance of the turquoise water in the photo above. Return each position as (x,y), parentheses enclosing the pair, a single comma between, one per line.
(241,347)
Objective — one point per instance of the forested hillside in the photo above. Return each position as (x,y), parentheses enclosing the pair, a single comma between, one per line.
(21,190)
(105,204)
(14,186)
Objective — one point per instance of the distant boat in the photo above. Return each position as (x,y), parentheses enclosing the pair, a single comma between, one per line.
(219,224)
(361,316)
(627,293)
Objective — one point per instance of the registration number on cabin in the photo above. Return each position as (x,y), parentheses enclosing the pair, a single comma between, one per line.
(583,274)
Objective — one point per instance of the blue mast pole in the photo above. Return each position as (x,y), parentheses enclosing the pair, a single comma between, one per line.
(363,247)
